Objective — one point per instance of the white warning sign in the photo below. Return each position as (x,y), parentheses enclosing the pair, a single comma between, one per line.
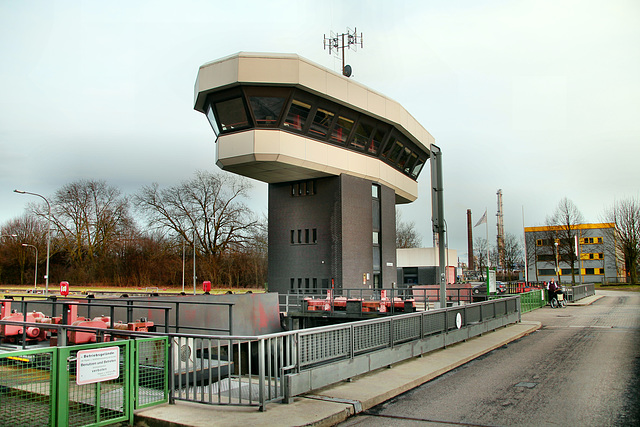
(101,364)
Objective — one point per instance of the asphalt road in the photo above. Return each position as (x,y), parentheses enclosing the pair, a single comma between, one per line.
(581,369)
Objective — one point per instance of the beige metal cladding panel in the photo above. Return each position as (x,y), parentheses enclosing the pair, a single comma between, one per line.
(313,77)
(317,155)
(267,142)
(292,147)
(268,70)
(337,86)
(215,75)
(235,145)
(357,163)
(376,104)
(357,95)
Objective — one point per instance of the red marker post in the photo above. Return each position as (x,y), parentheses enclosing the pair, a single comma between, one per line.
(206,286)
(64,288)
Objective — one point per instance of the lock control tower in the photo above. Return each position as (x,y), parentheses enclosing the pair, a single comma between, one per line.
(337,156)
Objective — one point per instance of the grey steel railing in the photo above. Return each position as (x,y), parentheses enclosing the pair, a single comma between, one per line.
(256,370)
(577,292)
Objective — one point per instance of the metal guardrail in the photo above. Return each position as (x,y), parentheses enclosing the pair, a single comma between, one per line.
(577,292)
(531,300)
(256,370)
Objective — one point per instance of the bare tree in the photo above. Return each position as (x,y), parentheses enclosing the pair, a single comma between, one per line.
(624,242)
(406,234)
(90,217)
(480,251)
(28,229)
(563,224)
(513,253)
(208,208)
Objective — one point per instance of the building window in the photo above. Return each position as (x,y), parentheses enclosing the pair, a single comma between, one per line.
(297,115)
(546,272)
(341,130)
(303,188)
(212,120)
(266,109)
(591,240)
(232,114)
(315,117)
(306,236)
(321,122)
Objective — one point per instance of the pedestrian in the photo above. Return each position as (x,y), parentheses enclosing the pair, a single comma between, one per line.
(552,288)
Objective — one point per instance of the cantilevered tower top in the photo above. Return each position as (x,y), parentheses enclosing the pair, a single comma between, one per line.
(280,118)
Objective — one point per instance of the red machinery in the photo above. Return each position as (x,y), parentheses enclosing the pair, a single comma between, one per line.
(12,333)
(384,305)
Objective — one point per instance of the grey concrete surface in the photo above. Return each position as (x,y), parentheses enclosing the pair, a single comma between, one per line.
(582,368)
(334,404)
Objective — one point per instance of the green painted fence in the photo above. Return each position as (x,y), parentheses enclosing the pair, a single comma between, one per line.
(83,385)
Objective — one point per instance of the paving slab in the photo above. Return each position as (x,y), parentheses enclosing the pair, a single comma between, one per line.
(334,404)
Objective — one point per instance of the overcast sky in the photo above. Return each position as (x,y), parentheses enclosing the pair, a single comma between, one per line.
(538,98)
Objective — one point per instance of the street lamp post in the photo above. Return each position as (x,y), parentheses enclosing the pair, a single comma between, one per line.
(35,274)
(183,243)
(194,260)
(46,277)
(557,263)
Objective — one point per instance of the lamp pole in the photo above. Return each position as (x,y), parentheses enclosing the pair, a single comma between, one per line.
(183,242)
(557,263)
(46,277)
(35,274)
(194,260)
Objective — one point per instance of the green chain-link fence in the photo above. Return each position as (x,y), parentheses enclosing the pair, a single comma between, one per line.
(84,385)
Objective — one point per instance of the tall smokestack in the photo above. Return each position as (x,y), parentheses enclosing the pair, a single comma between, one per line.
(470,242)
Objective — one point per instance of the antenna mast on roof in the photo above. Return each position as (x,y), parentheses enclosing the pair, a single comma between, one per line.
(338,42)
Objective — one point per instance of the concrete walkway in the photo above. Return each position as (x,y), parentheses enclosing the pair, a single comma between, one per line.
(336,403)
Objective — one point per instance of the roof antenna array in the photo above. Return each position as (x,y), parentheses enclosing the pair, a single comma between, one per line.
(338,43)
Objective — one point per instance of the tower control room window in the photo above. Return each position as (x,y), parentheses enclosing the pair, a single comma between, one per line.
(297,115)
(212,120)
(294,110)
(231,114)
(322,121)
(341,130)
(266,109)
(376,140)
(362,135)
